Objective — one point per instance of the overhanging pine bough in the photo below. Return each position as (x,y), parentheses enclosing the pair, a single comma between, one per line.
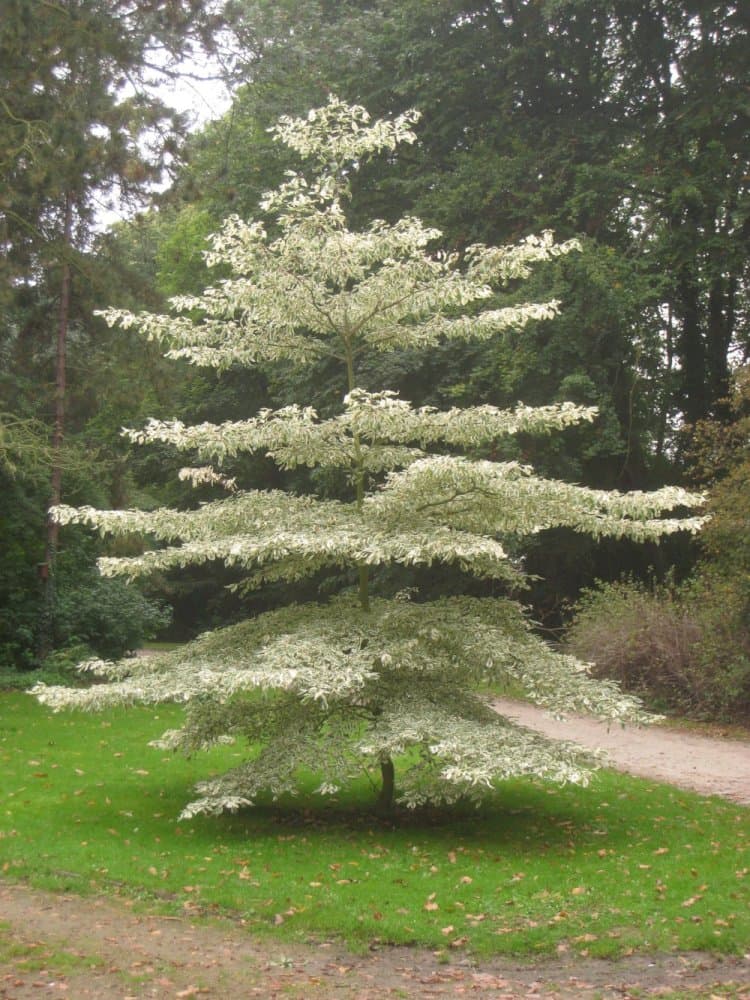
(361,680)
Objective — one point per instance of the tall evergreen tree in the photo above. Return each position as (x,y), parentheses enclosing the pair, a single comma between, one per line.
(360,680)
(78,125)
(624,122)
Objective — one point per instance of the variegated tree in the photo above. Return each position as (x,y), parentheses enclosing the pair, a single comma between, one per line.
(361,681)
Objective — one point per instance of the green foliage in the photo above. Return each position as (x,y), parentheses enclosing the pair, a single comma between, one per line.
(103,614)
(589,119)
(22,500)
(107,616)
(721,459)
(80,121)
(721,587)
(180,252)
(688,646)
(60,667)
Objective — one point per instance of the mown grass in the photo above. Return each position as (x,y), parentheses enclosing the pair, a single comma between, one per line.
(624,864)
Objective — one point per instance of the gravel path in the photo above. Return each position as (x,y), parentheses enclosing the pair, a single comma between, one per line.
(699,763)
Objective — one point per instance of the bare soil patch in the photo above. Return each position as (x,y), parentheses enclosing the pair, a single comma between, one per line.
(102,949)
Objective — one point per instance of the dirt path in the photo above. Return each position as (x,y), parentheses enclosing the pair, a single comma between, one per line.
(699,763)
(100,949)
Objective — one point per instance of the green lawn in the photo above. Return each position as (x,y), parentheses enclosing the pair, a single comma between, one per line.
(623,864)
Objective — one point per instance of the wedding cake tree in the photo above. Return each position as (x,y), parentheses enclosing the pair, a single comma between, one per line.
(361,681)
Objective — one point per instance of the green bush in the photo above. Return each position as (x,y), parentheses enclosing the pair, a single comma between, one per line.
(721,605)
(108,616)
(58,668)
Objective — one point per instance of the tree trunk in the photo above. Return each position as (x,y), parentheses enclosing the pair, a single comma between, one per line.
(58,433)
(385,799)
(721,298)
(692,351)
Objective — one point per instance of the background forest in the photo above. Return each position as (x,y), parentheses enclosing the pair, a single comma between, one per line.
(623,123)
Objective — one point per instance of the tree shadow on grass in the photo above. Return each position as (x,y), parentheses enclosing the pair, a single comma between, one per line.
(517,815)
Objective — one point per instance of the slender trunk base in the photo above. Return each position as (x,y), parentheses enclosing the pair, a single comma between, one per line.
(385,799)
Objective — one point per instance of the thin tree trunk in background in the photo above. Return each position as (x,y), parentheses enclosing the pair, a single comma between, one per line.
(692,351)
(58,434)
(667,399)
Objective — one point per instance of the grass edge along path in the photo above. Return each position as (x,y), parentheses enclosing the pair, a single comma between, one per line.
(54,936)
(623,865)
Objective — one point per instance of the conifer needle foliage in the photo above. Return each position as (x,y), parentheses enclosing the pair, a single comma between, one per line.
(362,681)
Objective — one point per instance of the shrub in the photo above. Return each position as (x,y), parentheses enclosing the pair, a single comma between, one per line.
(58,668)
(721,606)
(108,616)
(681,648)
(641,637)
(689,648)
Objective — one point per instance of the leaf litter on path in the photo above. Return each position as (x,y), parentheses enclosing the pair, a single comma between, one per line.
(122,954)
